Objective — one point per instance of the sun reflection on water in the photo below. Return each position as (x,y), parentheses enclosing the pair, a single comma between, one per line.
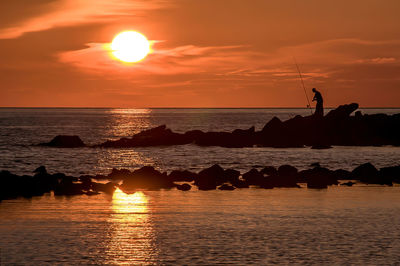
(124,123)
(127,122)
(131,236)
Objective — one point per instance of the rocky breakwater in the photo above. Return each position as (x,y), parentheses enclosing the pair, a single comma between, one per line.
(338,127)
(211,178)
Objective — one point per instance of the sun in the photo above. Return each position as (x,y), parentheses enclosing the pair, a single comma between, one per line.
(130,46)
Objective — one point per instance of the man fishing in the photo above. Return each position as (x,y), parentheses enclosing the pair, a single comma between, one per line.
(319,109)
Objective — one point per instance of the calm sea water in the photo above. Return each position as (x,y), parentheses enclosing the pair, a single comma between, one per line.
(21,129)
(340,225)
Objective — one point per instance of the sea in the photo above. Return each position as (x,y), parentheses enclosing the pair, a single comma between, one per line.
(357,225)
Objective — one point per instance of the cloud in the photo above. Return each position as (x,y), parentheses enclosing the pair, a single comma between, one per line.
(97,59)
(377,60)
(318,61)
(73,12)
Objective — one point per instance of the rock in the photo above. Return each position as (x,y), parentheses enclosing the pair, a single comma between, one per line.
(246,132)
(182,176)
(274,124)
(184,187)
(341,174)
(286,177)
(67,187)
(146,178)
(119,174)
(269,170)
(316,164)
(210,178)
(253,177)
(159,136)
(64,141)
(231,175)
(349,184)
(390,174)
(107,188)
(318,177)
(40,170)
(367,173)
(240,184)
(86,182)
(92,193)
(226,187)
(342,112)
(287,170)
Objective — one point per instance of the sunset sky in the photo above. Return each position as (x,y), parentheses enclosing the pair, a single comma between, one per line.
(205,53)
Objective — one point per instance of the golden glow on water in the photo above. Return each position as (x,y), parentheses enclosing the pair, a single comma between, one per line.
(135,203)
(131,111)
(124,123)
(131,236)
(127,122)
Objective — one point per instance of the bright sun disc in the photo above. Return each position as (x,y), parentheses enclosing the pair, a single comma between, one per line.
(130,46)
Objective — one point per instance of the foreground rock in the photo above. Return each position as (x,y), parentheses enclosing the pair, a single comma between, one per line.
(319,177)
(338,128)
(367,173)
(211,178)
(146,178)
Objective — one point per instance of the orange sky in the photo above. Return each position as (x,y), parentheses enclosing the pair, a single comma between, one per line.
(206,53)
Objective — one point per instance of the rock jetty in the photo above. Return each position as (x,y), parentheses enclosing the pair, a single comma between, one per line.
(338,128)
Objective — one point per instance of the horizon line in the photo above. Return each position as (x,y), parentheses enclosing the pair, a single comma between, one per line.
(88,107)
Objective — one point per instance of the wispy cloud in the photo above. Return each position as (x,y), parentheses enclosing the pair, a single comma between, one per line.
(72,12)
(319,61)
(377,60)
(97,59)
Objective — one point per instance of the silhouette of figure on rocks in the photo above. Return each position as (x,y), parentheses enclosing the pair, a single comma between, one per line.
(319,109)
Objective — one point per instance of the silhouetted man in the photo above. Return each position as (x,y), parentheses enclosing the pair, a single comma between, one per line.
(319,109)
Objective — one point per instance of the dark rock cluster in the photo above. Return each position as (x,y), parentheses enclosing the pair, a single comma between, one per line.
(211,178)
(13,186)
(338,127)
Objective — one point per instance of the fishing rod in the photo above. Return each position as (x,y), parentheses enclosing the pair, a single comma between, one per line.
(304,87)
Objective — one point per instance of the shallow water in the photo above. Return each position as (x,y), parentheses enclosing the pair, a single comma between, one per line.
(341,225)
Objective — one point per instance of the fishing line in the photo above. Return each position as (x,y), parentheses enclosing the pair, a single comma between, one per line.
(302,82)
